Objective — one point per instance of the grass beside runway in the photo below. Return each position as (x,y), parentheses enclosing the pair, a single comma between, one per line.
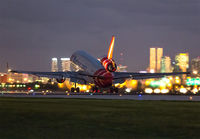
(91,118)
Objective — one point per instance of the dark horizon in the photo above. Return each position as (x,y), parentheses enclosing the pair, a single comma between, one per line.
(32,32)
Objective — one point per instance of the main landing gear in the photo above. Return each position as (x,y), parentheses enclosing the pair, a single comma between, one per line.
(114,90)
(75,89)
(95,89)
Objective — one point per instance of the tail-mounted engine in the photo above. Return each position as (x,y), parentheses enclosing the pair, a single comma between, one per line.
(109,64)
(61,80)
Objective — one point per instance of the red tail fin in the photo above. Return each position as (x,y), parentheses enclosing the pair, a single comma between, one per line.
(110,51)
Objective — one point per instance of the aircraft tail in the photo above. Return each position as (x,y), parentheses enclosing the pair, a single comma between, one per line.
(111,48)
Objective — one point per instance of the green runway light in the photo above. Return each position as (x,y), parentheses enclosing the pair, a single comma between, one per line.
(193,81)
(157,83)
(37,86)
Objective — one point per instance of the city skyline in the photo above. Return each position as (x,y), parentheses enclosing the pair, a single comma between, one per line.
(32,32)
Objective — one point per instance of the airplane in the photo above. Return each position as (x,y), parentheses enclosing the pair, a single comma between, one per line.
(101,74)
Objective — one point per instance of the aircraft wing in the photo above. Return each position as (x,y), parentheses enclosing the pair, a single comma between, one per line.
(138,76)
(75,76)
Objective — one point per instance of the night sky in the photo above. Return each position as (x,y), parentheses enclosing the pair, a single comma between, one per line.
(34,31)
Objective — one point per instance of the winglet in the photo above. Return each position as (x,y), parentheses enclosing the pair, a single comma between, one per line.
(110,51)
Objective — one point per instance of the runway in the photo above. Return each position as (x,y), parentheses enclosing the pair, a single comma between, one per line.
(100,96)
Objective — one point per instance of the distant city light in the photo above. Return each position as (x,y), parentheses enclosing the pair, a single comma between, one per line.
(164,91)
(128,90)
(195,72)
(183,90)
(152,71)
(193,81)
(65,59)
(195,90)
(148,90)
(54,59)
(157,91)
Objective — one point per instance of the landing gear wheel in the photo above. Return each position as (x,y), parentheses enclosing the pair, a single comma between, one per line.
(77,89)
(95,89)
(114,90)
(72,89)
(111,90)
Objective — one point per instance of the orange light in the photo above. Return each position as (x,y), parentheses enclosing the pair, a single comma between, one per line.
(110,52)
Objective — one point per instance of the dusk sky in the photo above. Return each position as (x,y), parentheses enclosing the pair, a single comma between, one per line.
(34,31)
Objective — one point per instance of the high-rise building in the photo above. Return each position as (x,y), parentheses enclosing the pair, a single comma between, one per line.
(166,64)
(195,65)
(152,65)
(54,65)
(159,54)
(182,62)
(65,62)
(155,59)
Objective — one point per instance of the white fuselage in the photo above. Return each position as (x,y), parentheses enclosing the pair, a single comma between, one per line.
(86,62)
(92,66)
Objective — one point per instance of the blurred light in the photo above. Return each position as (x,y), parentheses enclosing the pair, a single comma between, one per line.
(157,91)
(159,83)
(193,81)
(183,90)
(128,90)
(148,90)
(195,72)
(177,81)
(164,91)
(148,82)
(177,78)
(166,80)
(84,87)
(37,86)
(195,90)
(142,71)
(87,91)
(54,59)
(170,78)
(61,85)
(152,71)
(25,79)
(65,59)
(31,91)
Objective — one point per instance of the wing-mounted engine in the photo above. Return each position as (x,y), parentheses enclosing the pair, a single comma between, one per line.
(60,80)
(109,64)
